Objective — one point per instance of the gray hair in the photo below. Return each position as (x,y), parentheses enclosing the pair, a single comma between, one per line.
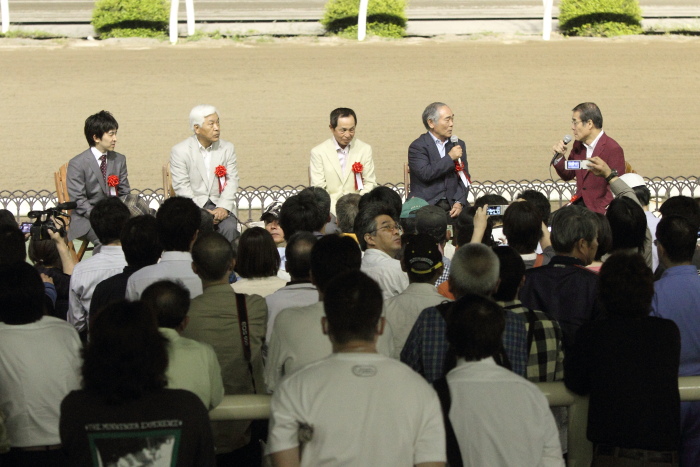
(199,113)
(474,270)
(432,112)
(571,224)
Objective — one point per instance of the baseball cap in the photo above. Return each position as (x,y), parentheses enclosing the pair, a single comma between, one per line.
(272,213)
(421,253)
(410,207)
(632,180)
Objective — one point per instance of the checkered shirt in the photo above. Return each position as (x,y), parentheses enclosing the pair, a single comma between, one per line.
(445,272)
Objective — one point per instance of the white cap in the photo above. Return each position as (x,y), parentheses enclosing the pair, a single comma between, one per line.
(632,180)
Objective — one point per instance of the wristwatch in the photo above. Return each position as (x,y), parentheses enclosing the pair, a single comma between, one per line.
(613,174)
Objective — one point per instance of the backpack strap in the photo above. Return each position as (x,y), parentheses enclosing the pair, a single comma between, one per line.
(454,455)
(245,333)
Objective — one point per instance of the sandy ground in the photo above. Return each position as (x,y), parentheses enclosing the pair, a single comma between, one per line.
(511,95)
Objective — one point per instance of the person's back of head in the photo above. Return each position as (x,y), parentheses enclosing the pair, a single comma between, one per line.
(474,270)
(539,201)
(212,257)
(298,255)
(511,271)
(257,254)
(178,221)
(682,206)
(332,255)
(346,209)
(169,301)
(107,219)
(323,199)
(627,223)
(44,253)
(366,220)
(385,195)
(127,356)
(21,294)
(12,249)
(522,226)
(604,236)
(571,224)
(677,237)
(626,285)
(492,200)
(140,242)
(353,306)
(422,259)
(464,229)
(7,218)
(432,220)
(301,212)
(475,327)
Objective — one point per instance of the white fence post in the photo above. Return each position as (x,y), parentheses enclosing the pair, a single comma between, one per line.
(362,20)
(547,20)
(5,13)
(189,9)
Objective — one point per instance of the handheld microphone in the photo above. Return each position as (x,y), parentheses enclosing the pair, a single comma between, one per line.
(454,140)
(566,140)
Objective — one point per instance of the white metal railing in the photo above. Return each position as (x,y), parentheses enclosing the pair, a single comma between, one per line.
(5,15)
(248,407)
(174,11)
(547,19)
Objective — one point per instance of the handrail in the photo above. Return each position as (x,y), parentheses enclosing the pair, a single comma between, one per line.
(248,407)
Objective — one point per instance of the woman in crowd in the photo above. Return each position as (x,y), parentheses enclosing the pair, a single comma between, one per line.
(257,263)
(53,258)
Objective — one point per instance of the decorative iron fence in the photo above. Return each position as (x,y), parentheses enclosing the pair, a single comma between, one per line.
(251,200)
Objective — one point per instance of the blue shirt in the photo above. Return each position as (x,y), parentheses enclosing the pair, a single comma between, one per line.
(677,297)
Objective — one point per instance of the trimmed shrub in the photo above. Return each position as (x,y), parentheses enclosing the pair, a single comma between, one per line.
(131,18)
(385,18)
(600,18)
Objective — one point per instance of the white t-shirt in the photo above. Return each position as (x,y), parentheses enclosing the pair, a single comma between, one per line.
(365,409)
(500,418)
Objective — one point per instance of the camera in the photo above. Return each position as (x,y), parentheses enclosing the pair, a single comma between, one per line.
(49,219)
(577,165)
(26,227)
(497,210)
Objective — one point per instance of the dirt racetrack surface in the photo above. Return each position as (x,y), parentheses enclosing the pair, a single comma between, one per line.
(512,98)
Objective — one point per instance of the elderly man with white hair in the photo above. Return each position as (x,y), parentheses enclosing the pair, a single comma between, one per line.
(203,167)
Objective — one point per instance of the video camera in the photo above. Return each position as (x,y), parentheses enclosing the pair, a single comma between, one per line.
(50,219)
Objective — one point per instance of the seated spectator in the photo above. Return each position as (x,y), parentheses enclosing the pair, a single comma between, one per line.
(498,418)
(637,183)
(496,222)
(178,220)
(379,235)
(346,211)
(604,242)
(408,214)
(7,218)
(124,414)
(382,194)
(474,271)
(525,231)
(323,199)
(53,258)
(628,364)
(296,338)
(141,248)
(39,365)
(539,201)
(257,263)
(301,212)
(234,325)
(299,291)
(192,365)
(107,218)
(431,220)
(271,219)
(422,262)
(683,206)
(353,396)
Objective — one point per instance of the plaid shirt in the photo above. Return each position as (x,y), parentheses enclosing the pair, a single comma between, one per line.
(546,361)
(426,347)
(445,271)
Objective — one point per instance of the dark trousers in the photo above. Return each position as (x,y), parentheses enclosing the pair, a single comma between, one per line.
(610,456)
(249,455)
(19,458)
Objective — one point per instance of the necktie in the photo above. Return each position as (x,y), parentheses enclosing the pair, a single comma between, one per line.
(103,167)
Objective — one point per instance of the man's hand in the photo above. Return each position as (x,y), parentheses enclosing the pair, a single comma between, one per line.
(56,237)
(455,153)
(45,278)
(456,209)
(480,223)
(219,214)
(599,167)
(559,148)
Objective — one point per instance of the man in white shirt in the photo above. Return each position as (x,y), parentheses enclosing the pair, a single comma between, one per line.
(379,235)
(178,223)
(107,218)
(355,407)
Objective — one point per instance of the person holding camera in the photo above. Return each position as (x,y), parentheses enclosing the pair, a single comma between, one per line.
(53,258)
(590,140)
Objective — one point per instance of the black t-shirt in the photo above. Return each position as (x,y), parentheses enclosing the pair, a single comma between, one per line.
(170,426)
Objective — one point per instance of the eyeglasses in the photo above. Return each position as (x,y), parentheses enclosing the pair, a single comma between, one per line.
(576,122)
(389,228)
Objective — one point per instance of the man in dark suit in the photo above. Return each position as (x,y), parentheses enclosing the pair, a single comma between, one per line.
(439,170)
(590,141)
(95,174)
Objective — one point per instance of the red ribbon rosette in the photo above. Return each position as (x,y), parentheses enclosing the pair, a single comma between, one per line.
(113,181)
(357,168)
(459,170)
(220,172)
(458,166)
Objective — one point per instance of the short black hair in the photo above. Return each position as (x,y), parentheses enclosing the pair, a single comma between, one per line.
(464,229)
(491,199)
(522,226)
(682,206)
(341,112)
(140,241)
(298,254)
(475,327)
(7,218)
(98,124)
(382,194)
(178,221)
(626,285)
(353,303)
(571,224)
(366,220)
(539,201)
(346,209)
(332,255)
(322,198)
(678,236)
(589,111)
(301,212)
(257,254)
(643,194)
(212,253)
(511,272)
(604,236)
(107,219)
(21,294)
(627,223)
(12,248)
(169,301)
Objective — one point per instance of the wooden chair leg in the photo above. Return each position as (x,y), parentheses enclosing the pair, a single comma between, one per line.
(83,248)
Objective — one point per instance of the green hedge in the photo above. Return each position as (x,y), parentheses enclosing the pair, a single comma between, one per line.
(385,18)
(131,18)
(602,18)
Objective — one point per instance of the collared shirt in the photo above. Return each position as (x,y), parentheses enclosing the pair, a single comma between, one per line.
(439,144)
(301,293)
(206,157)
(97,154)
(426,347)
(342,155)
(87,274)
(546,359)
(591,148)
(173,265)
(385,270)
